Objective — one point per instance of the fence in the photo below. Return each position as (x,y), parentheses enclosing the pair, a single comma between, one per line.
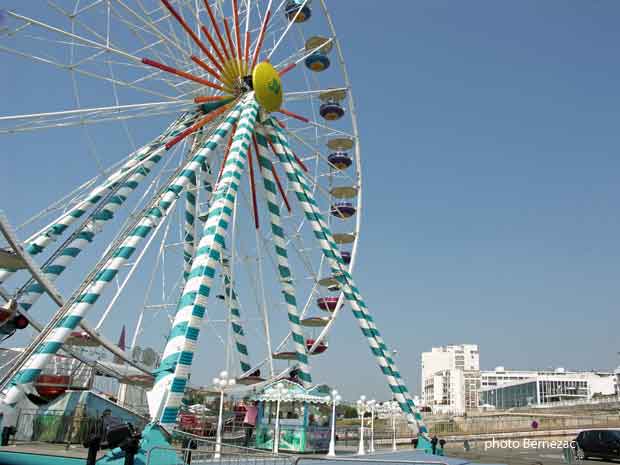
(195,449)
(56,427)
(507,424)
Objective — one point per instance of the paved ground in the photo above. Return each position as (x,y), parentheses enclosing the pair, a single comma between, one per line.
(521,457)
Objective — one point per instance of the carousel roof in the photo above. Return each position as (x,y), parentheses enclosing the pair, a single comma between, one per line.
(318,394)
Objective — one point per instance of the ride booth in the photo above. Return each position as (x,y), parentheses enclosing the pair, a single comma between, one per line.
(305,417)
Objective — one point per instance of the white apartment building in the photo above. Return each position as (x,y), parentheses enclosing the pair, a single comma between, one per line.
(451,378)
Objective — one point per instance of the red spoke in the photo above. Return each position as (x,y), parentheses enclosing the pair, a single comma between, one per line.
(206,67)
(213,44)
(275,176)
(299,162)
(294,115)
(237,31)
(192,34)
(261,37)
(232,133)
(178,72)
(216,28)
(210,98)
(210,117)
(229,38)
(251,166)
(287,68)
(247,47)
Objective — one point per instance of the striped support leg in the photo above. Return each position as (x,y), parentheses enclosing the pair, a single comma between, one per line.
(37,243)
(81,238)
(165,398)
(284,269)
(189,226)
(235,318)
(231,296)
(331,252)
(78,305)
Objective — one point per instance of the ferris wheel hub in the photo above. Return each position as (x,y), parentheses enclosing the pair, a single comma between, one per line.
(267,86)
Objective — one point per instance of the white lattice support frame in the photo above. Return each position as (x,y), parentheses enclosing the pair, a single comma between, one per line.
(95,224)
(37,243)
(76,308)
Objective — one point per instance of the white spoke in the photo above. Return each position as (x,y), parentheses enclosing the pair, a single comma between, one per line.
(114,108)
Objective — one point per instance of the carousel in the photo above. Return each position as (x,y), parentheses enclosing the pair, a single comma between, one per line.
(296,418)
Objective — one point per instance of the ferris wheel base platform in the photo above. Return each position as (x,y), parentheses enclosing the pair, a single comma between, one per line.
(154,439)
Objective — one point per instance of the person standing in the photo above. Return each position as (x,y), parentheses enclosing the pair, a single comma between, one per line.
(249,421)
(434,441)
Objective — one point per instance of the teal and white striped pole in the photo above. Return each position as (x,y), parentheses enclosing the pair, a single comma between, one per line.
(235,319)
(37,243)
(189,226)
(78,308)
(171,380)
(332,253)
(284,269)
(231,296)
(95,224)
(371,329)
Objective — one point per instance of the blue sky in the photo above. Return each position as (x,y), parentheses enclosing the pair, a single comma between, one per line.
(490,167)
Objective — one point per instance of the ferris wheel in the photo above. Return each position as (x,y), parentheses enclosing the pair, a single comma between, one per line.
(209,182)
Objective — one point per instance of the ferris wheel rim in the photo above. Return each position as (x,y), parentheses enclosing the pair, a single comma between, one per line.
(353,117)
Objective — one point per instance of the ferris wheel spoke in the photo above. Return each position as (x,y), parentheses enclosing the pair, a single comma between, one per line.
(78,38)
(288,27)
(83,72)
(64,255)
(146,19)
(87,116)
(86,8)
(308,94)
(37,242)
(69,199)
(149,39)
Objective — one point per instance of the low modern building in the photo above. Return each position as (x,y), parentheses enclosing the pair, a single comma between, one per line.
(451,378)
(542,387)
(500,376)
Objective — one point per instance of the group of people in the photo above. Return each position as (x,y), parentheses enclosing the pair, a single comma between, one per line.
(434,442)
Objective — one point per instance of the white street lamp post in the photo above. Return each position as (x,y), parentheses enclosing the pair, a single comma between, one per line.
(221,384)
(394,408)
(332,442)
(362,408)
(280,391)
(372,404)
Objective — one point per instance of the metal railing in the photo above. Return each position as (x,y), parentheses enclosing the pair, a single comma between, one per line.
(59,428)
(196,449)
(299,459)
(505,424)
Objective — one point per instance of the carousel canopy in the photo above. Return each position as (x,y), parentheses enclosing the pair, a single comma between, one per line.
(294,392)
